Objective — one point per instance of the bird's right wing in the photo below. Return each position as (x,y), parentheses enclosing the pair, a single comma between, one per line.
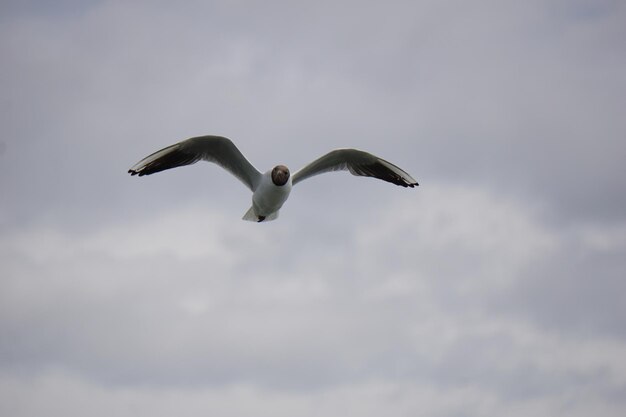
(359,163)
(217,149)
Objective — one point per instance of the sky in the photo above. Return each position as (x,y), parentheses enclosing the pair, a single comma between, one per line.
(496,287)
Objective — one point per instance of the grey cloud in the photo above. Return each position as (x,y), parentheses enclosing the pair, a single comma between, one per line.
(532,98)
(577,290)
(493,286)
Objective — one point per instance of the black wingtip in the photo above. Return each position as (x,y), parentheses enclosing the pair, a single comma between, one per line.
(410,184)
(406,183)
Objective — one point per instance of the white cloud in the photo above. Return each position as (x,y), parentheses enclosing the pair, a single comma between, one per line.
(602,238)
(483,239)
(207,308)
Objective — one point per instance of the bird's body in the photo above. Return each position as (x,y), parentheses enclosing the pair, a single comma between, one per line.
(268,198)
(271,189)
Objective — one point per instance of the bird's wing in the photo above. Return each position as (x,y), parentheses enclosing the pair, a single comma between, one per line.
(358,163)
(216,149)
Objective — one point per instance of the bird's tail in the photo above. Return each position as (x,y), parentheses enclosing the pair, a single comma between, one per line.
(253,217)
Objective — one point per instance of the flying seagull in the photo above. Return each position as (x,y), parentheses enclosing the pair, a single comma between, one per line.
(271,189)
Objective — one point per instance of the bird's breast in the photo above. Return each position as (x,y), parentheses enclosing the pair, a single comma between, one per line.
(269,198)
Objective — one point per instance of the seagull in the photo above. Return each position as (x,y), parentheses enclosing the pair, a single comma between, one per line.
(271,189)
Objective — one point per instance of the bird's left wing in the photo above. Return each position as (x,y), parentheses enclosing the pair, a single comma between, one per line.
(217,149)
(359,163)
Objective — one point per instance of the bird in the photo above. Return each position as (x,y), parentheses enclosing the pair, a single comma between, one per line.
(271,189)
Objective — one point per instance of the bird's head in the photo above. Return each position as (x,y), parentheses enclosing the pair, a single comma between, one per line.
(280,175)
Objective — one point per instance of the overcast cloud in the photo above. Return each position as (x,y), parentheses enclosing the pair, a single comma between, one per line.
(494,288)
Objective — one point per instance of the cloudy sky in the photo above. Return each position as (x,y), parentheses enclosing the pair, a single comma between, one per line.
(494,288)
